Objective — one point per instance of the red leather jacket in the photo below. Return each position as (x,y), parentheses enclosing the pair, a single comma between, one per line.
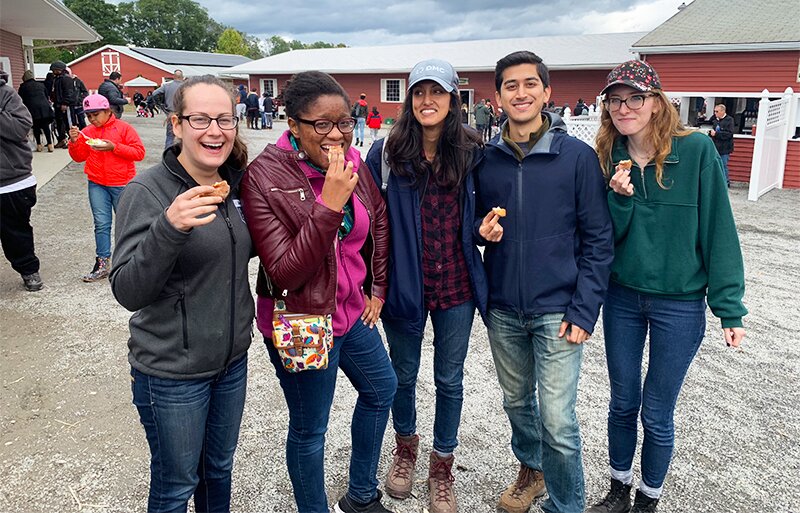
(294,234)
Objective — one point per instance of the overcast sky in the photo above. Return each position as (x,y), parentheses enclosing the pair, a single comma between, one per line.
(375,22)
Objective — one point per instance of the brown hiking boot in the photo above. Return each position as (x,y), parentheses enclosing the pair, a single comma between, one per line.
(520,495)
(440,484)
(401,473)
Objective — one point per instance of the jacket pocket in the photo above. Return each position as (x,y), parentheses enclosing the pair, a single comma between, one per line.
(181,304)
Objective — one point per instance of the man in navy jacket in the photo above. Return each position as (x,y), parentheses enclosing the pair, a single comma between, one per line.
(547,262)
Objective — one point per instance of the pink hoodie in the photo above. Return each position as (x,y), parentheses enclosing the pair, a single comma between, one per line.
(351,268)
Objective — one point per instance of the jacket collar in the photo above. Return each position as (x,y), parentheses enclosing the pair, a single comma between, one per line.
(544,145)
(228,171)
(620,151)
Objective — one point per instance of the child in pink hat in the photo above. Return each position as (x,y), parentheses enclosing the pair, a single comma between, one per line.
(109,147)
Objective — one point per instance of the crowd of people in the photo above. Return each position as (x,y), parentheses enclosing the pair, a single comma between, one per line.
(640,225)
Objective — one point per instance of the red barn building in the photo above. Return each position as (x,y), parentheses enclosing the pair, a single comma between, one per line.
(22,21)
(153,64)
(729,51)
(578,66)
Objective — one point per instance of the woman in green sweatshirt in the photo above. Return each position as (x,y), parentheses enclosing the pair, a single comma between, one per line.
(675,245)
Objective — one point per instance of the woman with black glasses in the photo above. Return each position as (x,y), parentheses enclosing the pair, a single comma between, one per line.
(320,228)
(180,263)
(675,247)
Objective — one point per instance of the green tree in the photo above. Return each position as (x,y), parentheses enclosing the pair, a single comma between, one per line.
(277,44)
(232,41)
(176,24)
(103,18)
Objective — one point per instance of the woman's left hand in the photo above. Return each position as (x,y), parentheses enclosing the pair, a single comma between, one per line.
(733,336)
(372,311)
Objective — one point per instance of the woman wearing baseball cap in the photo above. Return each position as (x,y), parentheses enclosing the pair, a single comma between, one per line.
(676,247)
(425,167)
(109,147)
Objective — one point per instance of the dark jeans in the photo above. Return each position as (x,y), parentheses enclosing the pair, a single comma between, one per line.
(725,172)
(42,126)
(676,329)
(309,395)
(16,232)
(77,116)
(170,138)
(62,122)
(192,428)
(451,330)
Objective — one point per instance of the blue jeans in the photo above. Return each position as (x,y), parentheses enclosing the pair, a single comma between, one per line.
(676,329)
(545,436)
(266,120)
(360,124)
(103,201)
(309,395)
(451,330)
(192,428)
(725,159)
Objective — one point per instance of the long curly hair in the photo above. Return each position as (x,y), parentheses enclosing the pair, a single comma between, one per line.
(453,151)
(664,125)
(238,154)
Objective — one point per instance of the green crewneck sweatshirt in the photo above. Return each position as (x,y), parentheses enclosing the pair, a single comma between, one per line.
(680,242)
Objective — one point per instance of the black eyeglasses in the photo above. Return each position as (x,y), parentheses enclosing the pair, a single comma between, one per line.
(325,126)
(634,102)
(201,122)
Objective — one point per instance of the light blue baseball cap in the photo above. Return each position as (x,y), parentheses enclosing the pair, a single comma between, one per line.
(439,71)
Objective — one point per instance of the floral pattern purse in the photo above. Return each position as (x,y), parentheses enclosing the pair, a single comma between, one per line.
(302,340)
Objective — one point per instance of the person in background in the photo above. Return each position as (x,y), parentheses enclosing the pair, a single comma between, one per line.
(110,88)
(436,268)
(547,279)
(359,112)
(77,115)
(722,134)
(319,225)
(580,108)
(168,91)
(17,187)
(109,147)
(63,96)
(374,121)
(675,245)
(181,264)
(482,117)
(267,108)
(34,97)
(487,133)
(252,109)
(241,102)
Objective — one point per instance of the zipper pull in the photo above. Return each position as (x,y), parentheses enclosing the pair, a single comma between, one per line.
(302,195)
(230,228)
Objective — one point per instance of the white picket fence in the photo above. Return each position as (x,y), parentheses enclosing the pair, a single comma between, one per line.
(773,129)
(583,127)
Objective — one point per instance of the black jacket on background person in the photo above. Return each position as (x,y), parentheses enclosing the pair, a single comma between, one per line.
(115,99)
(64,90)
(35,98)
(723,139)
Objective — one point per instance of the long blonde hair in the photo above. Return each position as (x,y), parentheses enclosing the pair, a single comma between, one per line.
(663,126)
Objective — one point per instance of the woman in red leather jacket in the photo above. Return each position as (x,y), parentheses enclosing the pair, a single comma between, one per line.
(320,227)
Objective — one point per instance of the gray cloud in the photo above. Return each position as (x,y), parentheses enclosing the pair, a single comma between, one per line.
(369,22)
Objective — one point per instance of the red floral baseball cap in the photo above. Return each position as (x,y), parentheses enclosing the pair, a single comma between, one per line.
(636,74)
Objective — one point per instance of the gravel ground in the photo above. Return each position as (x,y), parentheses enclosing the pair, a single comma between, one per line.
(70,439)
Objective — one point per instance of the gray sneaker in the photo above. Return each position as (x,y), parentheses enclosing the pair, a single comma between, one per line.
(32,282)
(101,268)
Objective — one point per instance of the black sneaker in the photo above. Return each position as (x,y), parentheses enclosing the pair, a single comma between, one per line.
(348,505)
(618,499)
(643,504)
(32,282)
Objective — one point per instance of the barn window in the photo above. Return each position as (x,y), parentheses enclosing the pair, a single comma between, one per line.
(269,86)
(110,63)
(393,90)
